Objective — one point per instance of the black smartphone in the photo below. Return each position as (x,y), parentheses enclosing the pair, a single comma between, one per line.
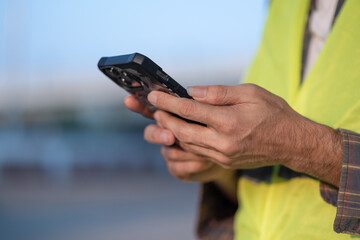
(139,75)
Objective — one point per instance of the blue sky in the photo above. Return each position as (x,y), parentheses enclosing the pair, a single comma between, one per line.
(63,40)
(77,32)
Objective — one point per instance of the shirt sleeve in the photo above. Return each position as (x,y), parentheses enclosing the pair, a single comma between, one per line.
(216,215)
(347,197)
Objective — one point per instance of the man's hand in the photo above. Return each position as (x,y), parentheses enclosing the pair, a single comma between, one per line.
(249,127)
(187,166)
(184,165)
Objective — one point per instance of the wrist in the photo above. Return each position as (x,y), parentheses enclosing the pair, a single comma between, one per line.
(317,152)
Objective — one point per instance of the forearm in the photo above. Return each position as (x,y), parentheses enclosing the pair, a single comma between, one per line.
(317,152)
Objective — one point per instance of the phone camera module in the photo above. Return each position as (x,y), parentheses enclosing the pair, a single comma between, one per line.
(114,71)
(125,79)
(129,81)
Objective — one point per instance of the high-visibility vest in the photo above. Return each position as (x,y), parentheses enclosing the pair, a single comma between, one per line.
(293,209)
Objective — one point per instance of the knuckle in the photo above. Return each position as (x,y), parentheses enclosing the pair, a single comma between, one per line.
(250,88)
(227,148)
(218,93)
(228,127)
(186,108)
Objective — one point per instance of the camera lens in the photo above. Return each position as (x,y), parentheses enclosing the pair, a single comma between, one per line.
(114,71)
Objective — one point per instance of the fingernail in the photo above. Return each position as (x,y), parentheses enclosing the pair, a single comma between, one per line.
(152,98)
(164,137)
(197,92)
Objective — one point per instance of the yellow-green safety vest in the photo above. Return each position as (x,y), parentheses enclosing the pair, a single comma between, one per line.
(293,209)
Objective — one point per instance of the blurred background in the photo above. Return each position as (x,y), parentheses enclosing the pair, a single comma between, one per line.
(73,162)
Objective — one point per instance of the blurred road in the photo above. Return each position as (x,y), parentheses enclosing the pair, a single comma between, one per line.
(99,205)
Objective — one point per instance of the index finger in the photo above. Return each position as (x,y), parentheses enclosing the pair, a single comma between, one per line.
(184,107)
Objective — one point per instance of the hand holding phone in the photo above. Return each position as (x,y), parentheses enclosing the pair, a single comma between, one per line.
(139,75)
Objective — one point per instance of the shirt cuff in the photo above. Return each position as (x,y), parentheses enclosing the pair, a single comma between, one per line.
(347,197)
(216,215)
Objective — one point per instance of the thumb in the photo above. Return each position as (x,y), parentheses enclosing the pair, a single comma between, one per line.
(217,95)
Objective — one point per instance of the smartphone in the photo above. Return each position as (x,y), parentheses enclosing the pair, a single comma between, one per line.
(139,75)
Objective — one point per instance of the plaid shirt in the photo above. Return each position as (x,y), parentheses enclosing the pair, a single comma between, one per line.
(347,197)
(216,216)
